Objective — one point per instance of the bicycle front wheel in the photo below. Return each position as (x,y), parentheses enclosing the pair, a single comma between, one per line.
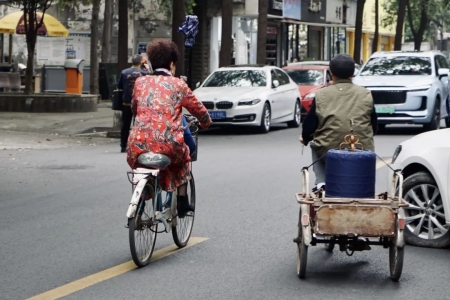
(142,232)
(181,233)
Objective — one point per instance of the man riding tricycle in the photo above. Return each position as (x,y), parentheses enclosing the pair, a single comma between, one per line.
(342,209)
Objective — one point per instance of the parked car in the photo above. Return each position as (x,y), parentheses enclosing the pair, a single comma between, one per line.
(251,95)
(425,164)
(407,87)
(321,63)
(309,78)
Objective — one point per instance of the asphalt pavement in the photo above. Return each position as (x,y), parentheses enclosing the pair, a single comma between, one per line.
(63,214)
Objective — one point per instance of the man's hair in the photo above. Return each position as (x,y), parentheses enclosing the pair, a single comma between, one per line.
(342,66)
(136,60)
(161,53)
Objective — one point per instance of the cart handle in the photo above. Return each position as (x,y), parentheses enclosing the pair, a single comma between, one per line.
(305,182)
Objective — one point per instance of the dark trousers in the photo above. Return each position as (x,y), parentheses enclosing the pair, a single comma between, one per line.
(127,116)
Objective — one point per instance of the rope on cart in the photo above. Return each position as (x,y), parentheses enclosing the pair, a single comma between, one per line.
(395,171)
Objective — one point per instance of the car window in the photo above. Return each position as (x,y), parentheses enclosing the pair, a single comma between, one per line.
(397,65)
(237,78)
(436,65)
(282,77)
(443,63)
(274,76)
(306,77)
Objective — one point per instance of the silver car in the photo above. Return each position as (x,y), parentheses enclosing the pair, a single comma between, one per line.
(407,87)
(251,95)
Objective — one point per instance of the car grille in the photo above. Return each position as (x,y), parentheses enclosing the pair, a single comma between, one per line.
(224,105)
(389,97)
(208,104)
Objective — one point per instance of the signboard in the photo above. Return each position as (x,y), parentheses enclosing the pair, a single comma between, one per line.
(292,9)
(275,7)
(54,51)
(313,11)
(341,12)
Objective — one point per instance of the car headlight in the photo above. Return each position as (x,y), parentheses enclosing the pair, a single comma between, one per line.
(396,153)
(421,88)
(249,102)
(310,96)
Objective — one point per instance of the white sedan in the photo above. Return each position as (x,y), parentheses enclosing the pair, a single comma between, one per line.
(425,161)
(251,95)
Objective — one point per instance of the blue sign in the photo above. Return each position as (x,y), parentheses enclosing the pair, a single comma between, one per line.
(141,48)
(292,9)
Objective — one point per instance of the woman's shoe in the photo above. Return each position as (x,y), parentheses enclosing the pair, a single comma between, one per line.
(183,206)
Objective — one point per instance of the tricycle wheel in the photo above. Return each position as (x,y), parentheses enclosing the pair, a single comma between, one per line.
(396,255)
(330,246)
(302,255)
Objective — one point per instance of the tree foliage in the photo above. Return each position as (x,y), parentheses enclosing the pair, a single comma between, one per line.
(435,11)
(165,7)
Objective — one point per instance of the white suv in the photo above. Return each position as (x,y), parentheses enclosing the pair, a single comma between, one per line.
(407,87)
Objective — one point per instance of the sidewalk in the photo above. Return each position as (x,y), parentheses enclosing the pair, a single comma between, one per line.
(50,130)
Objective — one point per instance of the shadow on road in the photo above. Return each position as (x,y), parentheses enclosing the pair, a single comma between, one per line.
(238,130)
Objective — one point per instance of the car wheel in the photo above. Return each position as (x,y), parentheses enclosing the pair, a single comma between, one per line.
(436,118)
(266,117)
(425,217)
(295,123)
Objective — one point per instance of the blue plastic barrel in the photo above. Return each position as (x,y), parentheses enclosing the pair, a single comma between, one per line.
(350,174)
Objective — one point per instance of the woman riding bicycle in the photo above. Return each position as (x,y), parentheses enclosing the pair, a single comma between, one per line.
(157,106)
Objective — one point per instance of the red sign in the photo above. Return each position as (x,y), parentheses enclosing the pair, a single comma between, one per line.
(272,30)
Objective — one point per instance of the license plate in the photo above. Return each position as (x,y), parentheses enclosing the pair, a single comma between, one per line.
(218,115)
(385,109)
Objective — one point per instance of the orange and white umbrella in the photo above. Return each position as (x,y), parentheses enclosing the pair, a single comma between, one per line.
(14,23)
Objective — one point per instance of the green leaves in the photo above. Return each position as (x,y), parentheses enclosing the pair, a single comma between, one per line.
(165,7)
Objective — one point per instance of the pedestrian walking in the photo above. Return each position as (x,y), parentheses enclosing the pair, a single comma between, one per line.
(126,86)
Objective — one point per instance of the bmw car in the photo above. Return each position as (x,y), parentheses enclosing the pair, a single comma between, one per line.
(251,95)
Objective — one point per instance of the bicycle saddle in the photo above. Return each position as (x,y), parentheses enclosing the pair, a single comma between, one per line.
(154,160)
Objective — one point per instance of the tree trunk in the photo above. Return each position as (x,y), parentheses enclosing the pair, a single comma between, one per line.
(358,30)
(226,46)
(418,34)
(400,24)
(122,57)
(31,45)
(31,37)
(107,24)
(178,16)
(377,28)
(93,84)
(261,54)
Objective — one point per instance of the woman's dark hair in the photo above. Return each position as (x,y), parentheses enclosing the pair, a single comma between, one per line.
(161,53)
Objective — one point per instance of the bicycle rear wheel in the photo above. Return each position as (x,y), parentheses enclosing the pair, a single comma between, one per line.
(181,233)
(142,232)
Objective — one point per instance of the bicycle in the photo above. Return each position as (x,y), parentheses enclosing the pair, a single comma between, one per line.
(143,219)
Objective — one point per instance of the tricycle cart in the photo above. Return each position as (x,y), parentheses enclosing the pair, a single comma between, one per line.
(351,224)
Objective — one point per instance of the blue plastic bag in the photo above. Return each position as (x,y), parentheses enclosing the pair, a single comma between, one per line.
(188,139)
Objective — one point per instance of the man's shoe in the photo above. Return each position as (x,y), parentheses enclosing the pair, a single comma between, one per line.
(183,206)
(316,190)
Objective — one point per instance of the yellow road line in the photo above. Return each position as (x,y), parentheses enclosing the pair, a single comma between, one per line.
(90,280)
(381,164)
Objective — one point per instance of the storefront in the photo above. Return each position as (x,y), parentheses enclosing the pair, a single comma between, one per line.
(340,15)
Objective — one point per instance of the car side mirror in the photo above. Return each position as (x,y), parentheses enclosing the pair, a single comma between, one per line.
(275,84)
(442,72)
(197,85)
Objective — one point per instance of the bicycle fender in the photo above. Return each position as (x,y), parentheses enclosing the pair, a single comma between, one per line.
(135,198)
(306,230)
